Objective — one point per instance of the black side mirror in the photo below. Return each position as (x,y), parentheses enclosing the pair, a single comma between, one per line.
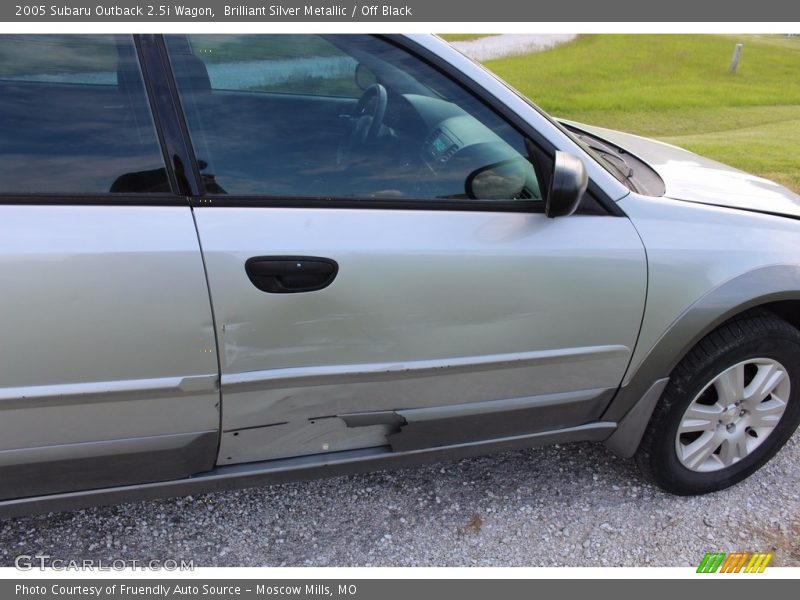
(567,185)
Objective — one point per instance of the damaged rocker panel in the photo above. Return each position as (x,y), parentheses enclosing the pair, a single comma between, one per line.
(418,428)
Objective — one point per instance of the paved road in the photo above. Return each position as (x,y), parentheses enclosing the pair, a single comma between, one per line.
(572,505)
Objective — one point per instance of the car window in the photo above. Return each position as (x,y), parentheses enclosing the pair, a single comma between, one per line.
(74,117)
(341,116)
(297,64)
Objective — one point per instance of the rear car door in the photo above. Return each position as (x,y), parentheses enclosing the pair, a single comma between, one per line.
(381,269)
(108,368)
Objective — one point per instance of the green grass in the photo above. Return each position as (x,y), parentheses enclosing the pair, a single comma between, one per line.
(678,88)
(463,37)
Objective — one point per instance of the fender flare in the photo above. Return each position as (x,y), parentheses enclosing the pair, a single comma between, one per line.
(634,403)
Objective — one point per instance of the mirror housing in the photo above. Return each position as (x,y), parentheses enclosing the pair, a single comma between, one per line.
(567,185)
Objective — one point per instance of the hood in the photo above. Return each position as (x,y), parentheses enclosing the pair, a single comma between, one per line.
(693,178)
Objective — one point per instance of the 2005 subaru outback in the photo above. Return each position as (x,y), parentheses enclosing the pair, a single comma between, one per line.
(231,260)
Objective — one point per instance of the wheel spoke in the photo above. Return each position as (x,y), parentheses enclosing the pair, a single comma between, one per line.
(767,414)
(700,417)
(696,453)
(767,379)
(717,436)
(734,448)
(730,385)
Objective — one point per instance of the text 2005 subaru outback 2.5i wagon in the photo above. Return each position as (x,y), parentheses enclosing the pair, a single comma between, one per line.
(233,260)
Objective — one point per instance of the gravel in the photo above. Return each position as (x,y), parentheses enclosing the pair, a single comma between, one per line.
(569,505)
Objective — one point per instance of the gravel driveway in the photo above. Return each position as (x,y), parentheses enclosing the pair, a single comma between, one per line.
(573,505)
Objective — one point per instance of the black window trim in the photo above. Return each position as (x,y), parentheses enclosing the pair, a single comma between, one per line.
(360,202)
(105,199)
(168,115)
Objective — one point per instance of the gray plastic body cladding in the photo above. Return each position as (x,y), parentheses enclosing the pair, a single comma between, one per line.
(463,423)
(296,469)
(54,469)
(626,438)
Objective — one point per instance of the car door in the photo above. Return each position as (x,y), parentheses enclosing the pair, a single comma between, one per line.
(108,368)
(397,283)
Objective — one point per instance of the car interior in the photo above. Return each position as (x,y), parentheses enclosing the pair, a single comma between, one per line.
(399,139)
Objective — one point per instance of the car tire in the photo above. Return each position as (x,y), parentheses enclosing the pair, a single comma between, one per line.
(711,427)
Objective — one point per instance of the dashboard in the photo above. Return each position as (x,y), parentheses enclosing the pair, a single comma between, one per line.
(455,145)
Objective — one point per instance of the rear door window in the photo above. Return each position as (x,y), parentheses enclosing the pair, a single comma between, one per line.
(74,117)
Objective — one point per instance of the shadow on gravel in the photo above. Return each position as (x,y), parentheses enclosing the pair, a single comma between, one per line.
(574,505)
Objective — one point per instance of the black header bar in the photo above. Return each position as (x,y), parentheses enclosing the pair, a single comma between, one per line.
(442,11)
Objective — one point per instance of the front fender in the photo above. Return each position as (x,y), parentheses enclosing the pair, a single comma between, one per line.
(633,404)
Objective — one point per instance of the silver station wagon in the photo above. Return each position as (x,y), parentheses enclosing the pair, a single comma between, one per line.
(231,260)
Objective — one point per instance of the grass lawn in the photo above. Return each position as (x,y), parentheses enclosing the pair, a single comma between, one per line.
(677,88)
(464,37)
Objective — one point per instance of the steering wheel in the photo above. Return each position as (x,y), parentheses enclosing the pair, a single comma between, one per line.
(364,123)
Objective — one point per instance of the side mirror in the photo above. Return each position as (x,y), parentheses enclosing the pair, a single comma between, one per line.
(567,185)
(502,180)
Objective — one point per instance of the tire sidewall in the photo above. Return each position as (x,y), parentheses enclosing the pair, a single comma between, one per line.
(673,474)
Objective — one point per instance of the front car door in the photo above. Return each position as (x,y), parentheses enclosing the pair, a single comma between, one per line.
(381,269)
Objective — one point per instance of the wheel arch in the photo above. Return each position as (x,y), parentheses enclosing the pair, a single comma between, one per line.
(774,288)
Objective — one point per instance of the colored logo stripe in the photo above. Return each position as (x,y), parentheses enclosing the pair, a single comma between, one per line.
(741,562)
(734,562)
(758,563)
(711,562)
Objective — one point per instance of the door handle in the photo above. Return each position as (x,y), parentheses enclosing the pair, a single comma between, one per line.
(290,274)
